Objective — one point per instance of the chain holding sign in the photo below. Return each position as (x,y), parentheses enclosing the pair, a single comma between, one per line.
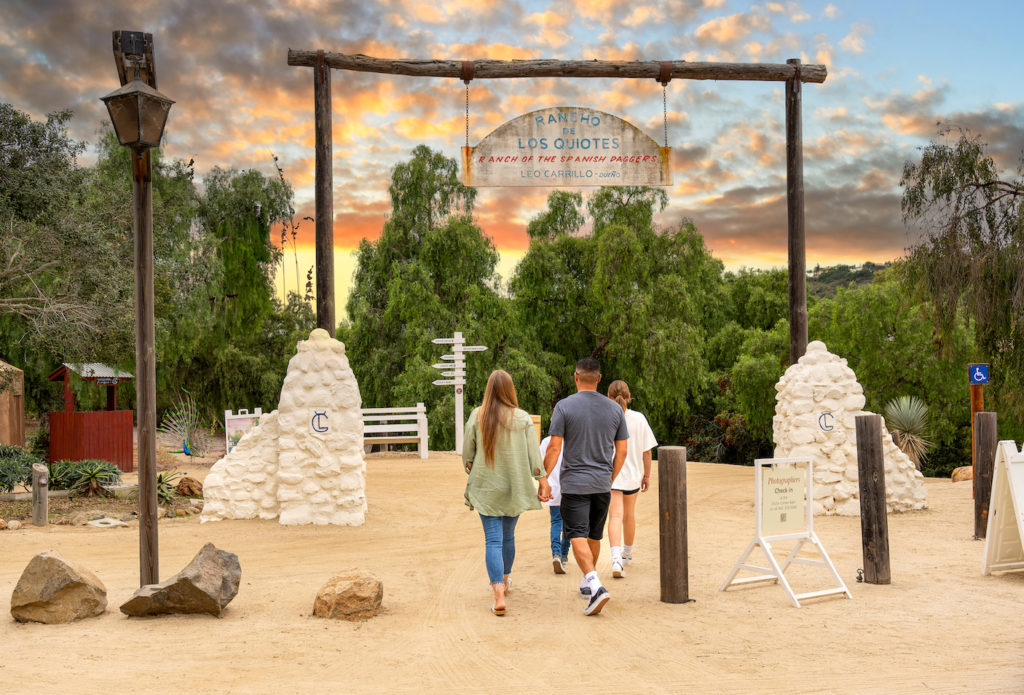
(783,512)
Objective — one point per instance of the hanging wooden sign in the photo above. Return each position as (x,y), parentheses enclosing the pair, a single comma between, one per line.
(567,146)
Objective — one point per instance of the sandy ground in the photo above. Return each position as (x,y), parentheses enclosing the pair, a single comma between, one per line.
(939,627)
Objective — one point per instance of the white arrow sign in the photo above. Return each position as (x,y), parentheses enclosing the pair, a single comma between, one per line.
(450,365)
(471,348)
(451,357)
(446,341)
(449,382)
(456,372)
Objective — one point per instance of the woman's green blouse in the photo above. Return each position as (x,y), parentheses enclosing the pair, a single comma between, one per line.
(507,489)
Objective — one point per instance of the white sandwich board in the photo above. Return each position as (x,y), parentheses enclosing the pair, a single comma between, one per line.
(1004,536)
(784,512)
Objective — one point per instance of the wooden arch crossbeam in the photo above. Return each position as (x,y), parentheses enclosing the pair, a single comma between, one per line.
(500,69)
(793,73)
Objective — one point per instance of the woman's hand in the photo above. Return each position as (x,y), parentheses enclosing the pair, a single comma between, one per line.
(645,483)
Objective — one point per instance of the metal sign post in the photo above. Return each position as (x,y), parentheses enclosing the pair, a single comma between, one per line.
(784,512)
(977,376)
(455,367)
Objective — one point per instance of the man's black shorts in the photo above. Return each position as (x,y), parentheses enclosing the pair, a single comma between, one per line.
(584,516)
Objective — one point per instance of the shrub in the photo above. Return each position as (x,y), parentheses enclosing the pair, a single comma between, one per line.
(165,486)
(91,476)
(16,467)
(94,477)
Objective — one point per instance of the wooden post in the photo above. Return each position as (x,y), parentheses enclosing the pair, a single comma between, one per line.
(145,366)
(984,454)
(795,215)
(675,579)
(40,488)
(977,406)
(324,193)
(874,523)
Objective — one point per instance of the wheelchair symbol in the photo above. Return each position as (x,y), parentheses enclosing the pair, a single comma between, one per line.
(978,375)
(318,426)
(825,421)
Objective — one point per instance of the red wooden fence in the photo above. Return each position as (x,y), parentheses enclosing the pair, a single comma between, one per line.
(104,434)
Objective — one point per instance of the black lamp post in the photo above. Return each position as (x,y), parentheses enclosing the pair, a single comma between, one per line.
(139,113)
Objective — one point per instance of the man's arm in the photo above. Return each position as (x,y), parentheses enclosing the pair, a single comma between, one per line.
(551,456)
(620,457)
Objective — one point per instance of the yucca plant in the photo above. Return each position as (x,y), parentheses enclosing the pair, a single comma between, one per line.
(181,423)
(906,418)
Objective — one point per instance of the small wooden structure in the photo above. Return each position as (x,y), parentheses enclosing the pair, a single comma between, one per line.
(12,405)
(104,434)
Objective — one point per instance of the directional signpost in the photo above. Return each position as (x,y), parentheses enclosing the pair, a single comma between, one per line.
(455,367)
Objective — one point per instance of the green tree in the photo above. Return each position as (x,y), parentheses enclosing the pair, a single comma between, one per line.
(891,345)
(971,259)
(430,274)
(637,298)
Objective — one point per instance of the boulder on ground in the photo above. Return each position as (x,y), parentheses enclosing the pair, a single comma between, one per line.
(190,487)
(206,585)
(55,590)
(14,524)
(962,473)
(352,595)
(3,524)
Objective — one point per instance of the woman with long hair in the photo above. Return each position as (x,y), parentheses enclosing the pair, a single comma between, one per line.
(502,458)
(634,477)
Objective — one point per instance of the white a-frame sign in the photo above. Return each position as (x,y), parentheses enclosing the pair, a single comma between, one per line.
(784,512)
(1004,536)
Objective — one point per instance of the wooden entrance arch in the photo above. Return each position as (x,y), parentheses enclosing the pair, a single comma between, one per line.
(793,73)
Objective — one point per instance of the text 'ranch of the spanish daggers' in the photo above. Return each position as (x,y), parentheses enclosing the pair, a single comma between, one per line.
(567,146)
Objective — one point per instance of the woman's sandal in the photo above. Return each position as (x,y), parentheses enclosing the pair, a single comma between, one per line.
(498,611)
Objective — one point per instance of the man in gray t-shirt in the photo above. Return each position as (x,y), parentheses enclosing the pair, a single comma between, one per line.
(592,428)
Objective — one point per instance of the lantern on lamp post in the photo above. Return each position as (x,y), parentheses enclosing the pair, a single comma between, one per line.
(139,113)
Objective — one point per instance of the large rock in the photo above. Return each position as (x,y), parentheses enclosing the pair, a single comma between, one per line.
(55,590)
(206,585)
(304,463)
(190,487)
(962,473)
(352,595)
(816,407)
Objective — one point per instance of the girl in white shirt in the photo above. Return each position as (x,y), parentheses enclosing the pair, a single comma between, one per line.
(634,477)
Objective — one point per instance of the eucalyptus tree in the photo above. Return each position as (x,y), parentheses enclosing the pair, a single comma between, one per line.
(429,274)
(640,299)
(970,261)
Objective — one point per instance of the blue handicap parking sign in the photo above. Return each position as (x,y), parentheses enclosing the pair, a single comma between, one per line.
(978,373)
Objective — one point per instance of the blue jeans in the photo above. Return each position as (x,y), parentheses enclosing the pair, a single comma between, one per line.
(499,545)
(559,543)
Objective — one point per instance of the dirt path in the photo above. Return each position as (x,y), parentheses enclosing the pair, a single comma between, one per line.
(940,626)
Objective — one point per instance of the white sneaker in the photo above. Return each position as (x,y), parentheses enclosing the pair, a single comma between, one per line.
(627,559)
(617,570)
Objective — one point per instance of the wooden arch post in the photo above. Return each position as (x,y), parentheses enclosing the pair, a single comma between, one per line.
(793,73)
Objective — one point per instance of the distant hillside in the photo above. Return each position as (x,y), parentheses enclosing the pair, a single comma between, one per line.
(823,281)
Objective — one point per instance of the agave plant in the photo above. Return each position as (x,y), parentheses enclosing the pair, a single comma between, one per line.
(94,478)
(181,423)
(165,486)
(906,418)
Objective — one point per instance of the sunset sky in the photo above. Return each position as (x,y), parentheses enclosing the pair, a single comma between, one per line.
(896,70)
